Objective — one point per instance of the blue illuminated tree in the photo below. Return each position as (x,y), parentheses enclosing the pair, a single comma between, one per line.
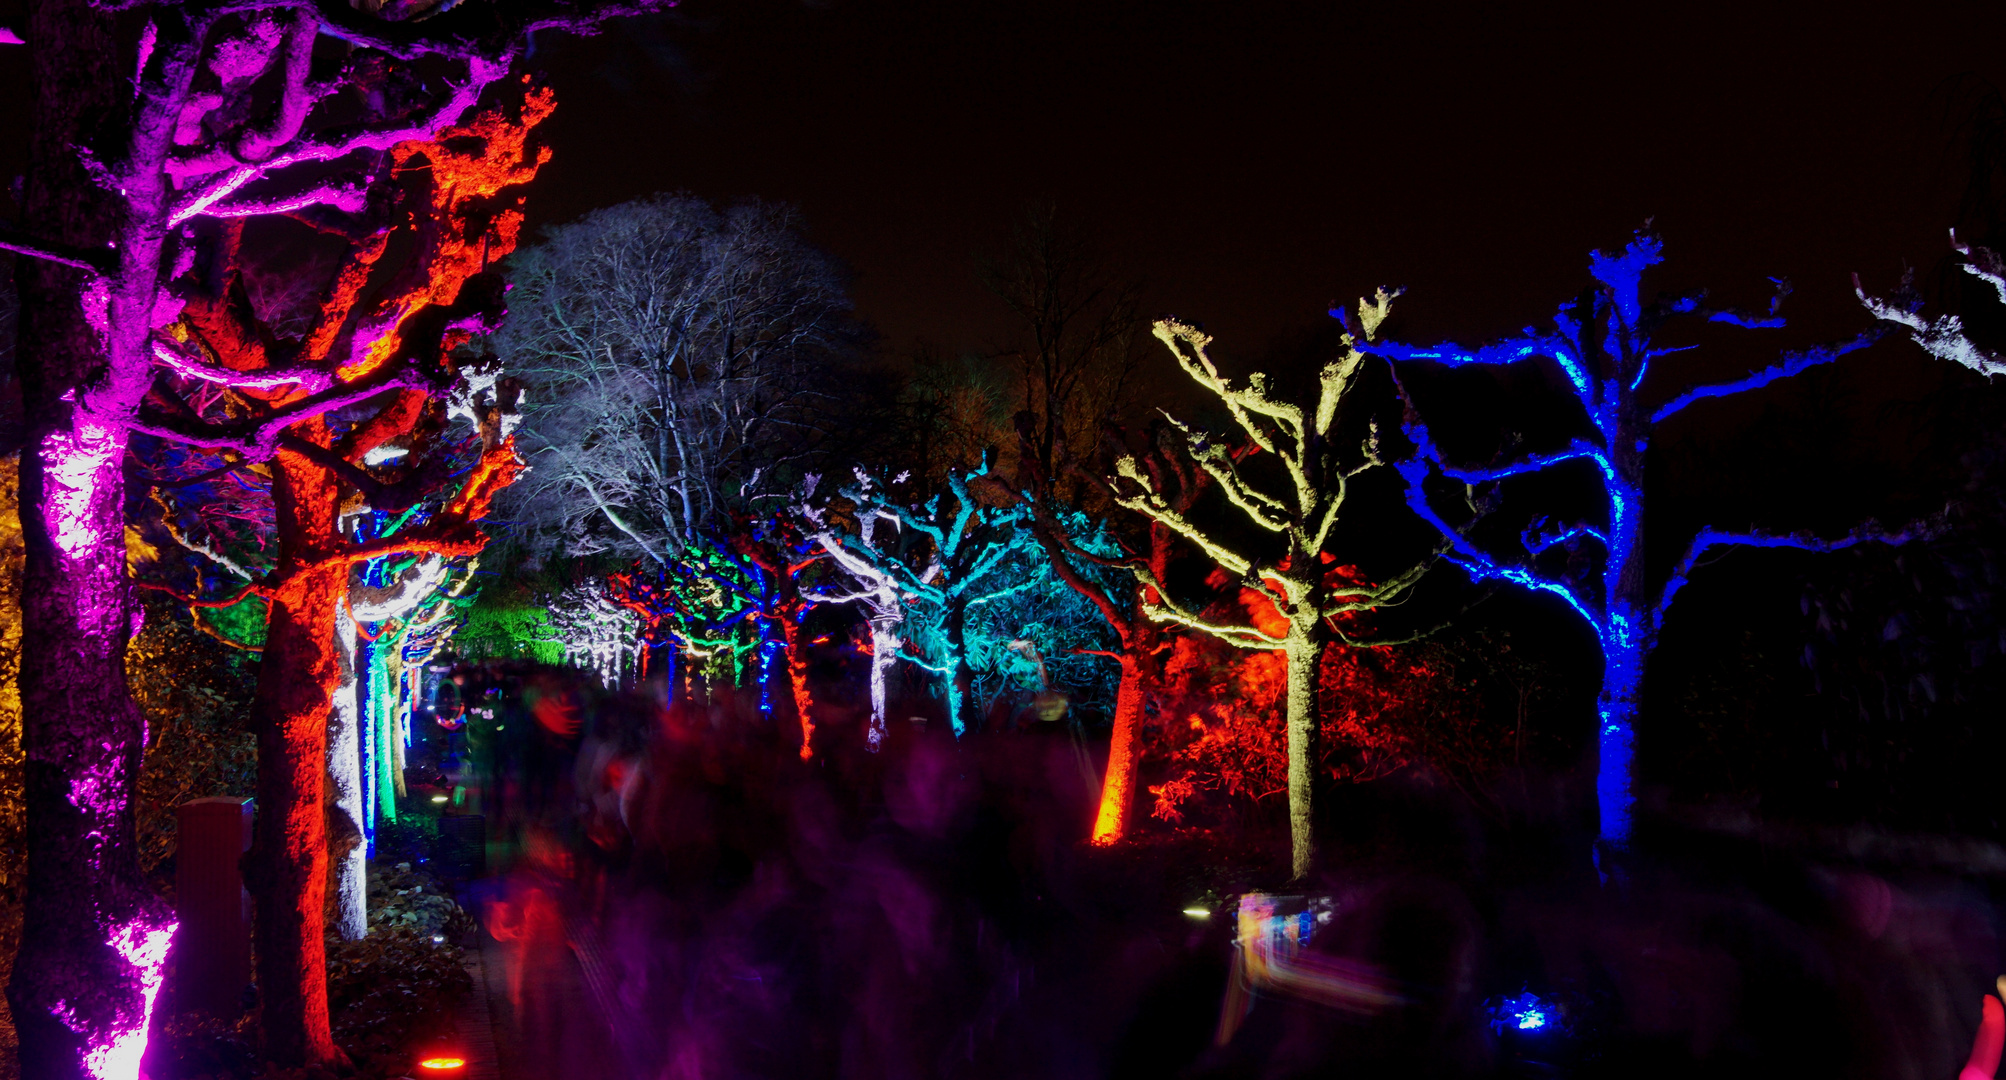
(691,605)
(1604,344)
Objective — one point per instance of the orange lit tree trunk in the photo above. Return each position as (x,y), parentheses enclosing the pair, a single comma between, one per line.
(773,554)
(1124,752)
(797,678)
(141,144)
(296,680)
(1121,597)
(397,382)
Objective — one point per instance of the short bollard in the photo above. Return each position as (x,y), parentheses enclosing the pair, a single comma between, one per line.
(213,948)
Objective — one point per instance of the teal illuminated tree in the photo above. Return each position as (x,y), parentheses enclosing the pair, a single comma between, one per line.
(1318,468)
(1603,344)
(1112,574)
(941,556)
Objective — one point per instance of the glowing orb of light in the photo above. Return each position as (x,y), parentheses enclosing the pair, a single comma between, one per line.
(1197,913)
(443,1064)
(1531,1019)
(439,798)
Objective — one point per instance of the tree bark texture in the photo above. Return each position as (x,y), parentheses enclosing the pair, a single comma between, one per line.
(797,679)
(74,991)
(348,874)
(297,677)
(1303,755)
(1124,753)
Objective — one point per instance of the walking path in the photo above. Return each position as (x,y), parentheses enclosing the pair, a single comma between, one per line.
(551,1021)
(477,1030)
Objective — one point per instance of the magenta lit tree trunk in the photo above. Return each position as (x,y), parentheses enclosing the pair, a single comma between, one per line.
(93,935)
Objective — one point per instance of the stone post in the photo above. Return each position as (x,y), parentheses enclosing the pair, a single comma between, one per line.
(213,947)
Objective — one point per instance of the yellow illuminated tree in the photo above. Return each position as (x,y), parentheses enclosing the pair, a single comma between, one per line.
(1318,468)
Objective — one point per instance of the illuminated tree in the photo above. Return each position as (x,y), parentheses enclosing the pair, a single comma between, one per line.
(861,580)
(1093,564)
(398,608)
(146,135)
(679,353)
(942,555)
(371,380)
(725,598)
(1943,337)
(598,633)
(772,555)
(1603,344)
(1318,469)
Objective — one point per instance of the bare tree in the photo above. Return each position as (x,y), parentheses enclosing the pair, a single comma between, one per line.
(1319,469)
(1083,326)
(1944,337)
(677,354)
(1605,345)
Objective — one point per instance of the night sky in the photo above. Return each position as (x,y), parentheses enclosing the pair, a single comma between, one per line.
(1254,163)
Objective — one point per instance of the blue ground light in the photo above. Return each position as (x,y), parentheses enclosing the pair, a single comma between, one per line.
(1525,1013)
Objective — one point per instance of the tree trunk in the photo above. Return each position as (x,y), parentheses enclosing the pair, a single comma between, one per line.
(1124,752)
(1616,706)
(297,677)
(884,654)
(81,984)
(1303,754)
(797,678)
(344,747)
(960,680)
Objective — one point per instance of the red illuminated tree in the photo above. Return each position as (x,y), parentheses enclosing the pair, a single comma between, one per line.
(372,380)
(775,555)
(1317,471)
(152,140)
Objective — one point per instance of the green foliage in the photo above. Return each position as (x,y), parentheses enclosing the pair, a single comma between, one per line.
(506,621)
(242,622)
(196,693)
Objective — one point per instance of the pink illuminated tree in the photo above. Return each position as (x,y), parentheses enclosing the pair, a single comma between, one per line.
(153,141)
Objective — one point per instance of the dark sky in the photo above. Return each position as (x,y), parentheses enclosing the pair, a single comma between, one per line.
(1255,162)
